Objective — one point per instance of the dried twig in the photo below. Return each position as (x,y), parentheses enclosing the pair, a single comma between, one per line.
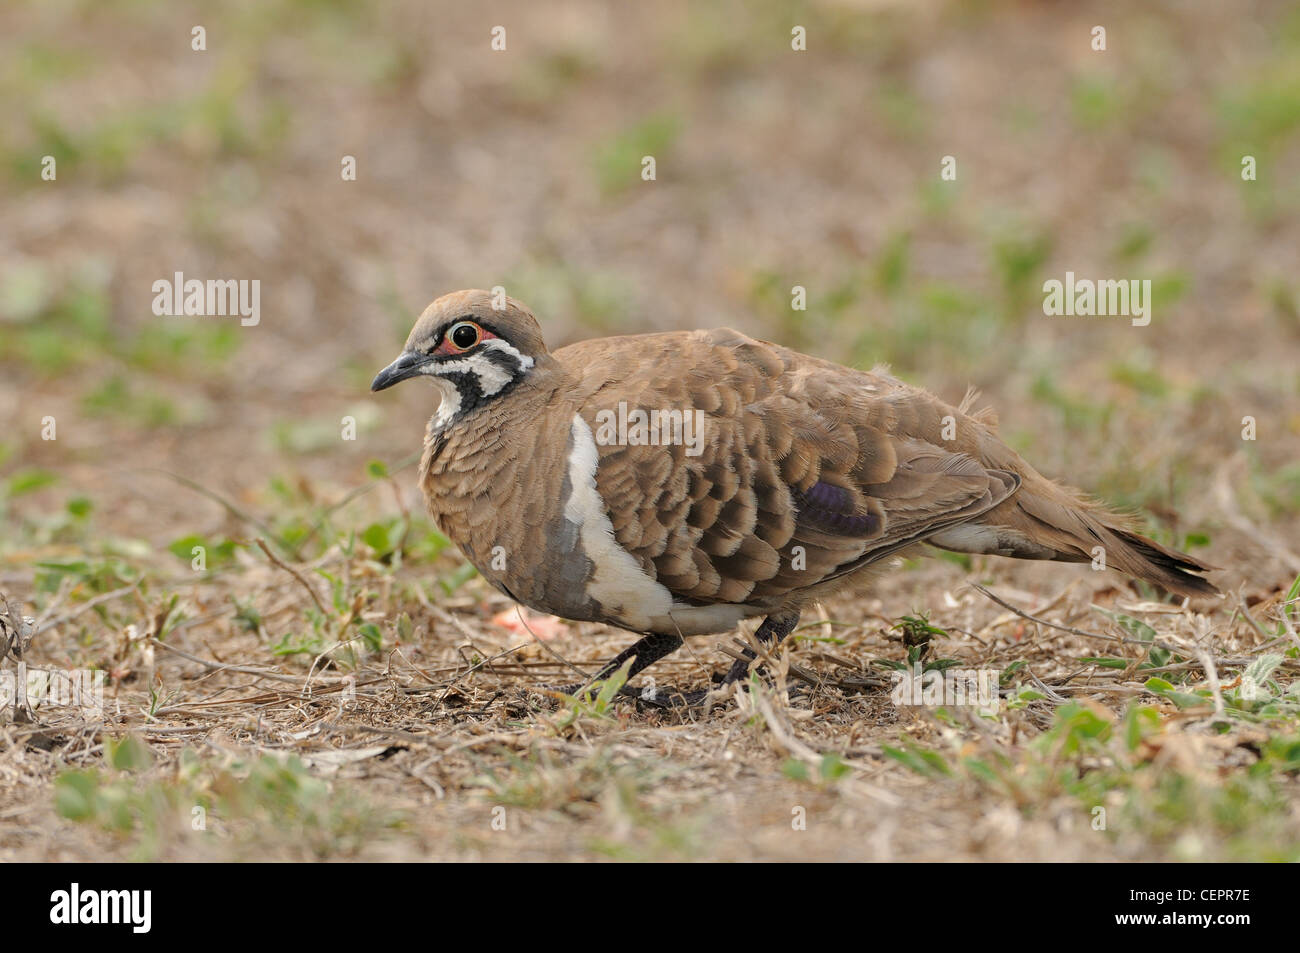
(217,498)
(44,626)
(785,738)
(226,667)
(1073,631)
(275,560)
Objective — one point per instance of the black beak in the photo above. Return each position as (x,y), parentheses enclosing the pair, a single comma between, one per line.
(408,364)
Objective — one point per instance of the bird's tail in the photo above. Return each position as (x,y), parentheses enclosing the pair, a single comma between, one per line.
(1046,521)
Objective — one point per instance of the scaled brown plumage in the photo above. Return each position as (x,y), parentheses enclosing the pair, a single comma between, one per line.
(805,475)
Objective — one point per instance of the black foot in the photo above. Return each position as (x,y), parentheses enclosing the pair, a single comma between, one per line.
(651,648)
(773,630)
(650,696)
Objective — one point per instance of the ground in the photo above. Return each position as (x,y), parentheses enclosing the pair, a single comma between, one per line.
(296,663)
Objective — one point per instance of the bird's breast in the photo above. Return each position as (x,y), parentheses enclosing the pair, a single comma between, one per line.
(536,527)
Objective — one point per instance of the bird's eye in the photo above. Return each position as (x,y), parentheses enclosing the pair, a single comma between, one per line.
(465,335)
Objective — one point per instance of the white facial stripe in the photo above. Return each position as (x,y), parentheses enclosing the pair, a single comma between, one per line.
(492,377)
(497,344)
(617,581)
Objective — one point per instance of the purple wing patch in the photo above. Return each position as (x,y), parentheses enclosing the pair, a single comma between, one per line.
(829,508)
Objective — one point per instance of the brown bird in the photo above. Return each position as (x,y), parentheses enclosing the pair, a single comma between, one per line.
(673,484)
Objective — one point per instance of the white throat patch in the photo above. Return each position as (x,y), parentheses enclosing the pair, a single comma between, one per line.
(491,377)
(448,408)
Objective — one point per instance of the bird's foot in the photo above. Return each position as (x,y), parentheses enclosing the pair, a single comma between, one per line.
(648,696)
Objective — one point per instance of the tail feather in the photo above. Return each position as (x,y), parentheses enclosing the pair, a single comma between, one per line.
(1047,521)
(1167,567)
(1044,520)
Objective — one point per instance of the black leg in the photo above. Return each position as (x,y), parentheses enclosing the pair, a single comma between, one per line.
(652,648)
(774,629)
(647,650)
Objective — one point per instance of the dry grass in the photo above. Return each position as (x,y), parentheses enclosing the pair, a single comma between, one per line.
(418,744)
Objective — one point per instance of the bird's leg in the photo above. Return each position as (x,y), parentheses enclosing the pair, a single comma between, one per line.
(645,652)
(653,647)
(774,629)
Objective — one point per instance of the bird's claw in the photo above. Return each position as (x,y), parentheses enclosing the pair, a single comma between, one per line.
(650,696)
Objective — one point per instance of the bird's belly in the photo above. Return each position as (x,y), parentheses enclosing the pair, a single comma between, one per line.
(566,581)
(701,620)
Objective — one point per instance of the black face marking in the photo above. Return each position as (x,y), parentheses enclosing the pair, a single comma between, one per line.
(468,372)
(505,360)
(469,388)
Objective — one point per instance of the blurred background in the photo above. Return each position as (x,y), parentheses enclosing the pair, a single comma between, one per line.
(522,168)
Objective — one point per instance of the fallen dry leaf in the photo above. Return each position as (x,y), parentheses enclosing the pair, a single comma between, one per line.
(545,627)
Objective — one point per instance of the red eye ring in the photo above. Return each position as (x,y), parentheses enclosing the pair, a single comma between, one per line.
(462,336)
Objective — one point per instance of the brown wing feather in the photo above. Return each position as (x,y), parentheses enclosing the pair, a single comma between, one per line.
(802,475)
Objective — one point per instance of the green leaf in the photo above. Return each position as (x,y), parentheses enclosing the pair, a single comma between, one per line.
(247,615)
(1255,676)
(29,481)
(287,647)
(1156,658)
(80,507)
(1282,754)
(371,635)
(377,469)
(795,769)
(1139,721)
(1262,667)
(458,578)
(981,771)
(214,553)
(1164,689)
(1135,627)
(1105,661)
(128,753)
(378,536)
(1010,670)
(73,567)
(923,762)
(833,767)
(183,548)
(1184,700)
(609,688)
(961,559)
(74,794)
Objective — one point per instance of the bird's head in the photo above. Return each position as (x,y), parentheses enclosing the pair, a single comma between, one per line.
(473,345)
